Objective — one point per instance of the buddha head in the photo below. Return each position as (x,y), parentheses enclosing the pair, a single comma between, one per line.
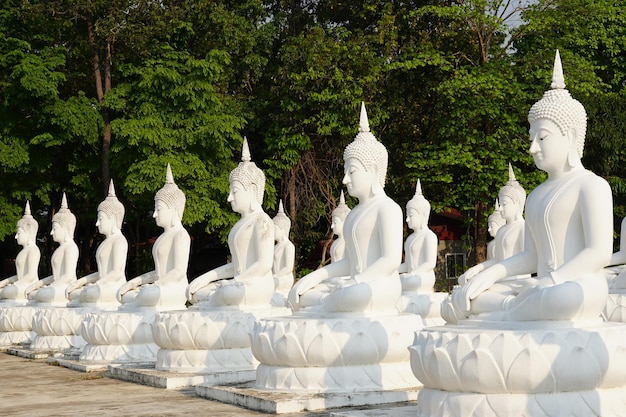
(557,114)
(495,220)
(365,161)
(169,202)
(512,198)
(27,228)
(112,209)
(339,215)
(247,183)
(63,223)
(282,223)
(417,209)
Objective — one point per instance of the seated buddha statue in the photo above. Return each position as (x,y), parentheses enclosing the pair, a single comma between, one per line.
(284,252)
(568,238)
(101,286)
(247,279)
(164,287)
(339,214)
(417,272)
(63,261)
(509,239)
(26,262)
(367,279)
(494,222)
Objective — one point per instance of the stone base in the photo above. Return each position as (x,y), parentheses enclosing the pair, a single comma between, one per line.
(57,329)
(119,337)
(79,366)
(208,341)
(16,324)
(335,353)
(400,411)
(605,403)
(245,395)
(148,375)
(508,369)
(33,354)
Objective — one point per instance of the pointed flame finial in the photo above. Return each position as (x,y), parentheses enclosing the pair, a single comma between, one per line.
(245,151)
(111,189)
(342,199)
(558,82)
(64,202)
(511,173)
(418,188)
(497,205)
(27,209)
(280,206)
(169,178)
(364,124)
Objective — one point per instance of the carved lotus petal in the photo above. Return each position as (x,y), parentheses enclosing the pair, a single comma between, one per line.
(443,367)
(17,318)
(263,350)
(530,372)
(237,333)
(581,371)
(504,405)
(290,348)
(323,350)
(480,372)
(505,346)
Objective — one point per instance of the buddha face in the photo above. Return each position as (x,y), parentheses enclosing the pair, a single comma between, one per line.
(414,219)
(548,146)
(357,179)
(104,223)
(163,214)
(509,209)
(278,233)
(239,198)
(337,225)
(492,228)
(21,236)
(58,232)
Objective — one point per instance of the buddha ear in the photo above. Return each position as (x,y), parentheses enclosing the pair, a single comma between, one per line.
(573,159)
(376,187)
(254,203)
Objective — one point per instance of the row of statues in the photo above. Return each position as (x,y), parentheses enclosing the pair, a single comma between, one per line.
(524,329)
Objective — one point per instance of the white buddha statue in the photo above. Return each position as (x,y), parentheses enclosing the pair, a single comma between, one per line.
(417,273)
(373,232)
(509,239)
(164,287)
(26,263)
(494,222)
(100,287)
(284,252)
(339,214)
(51,290)
(568,237)
(248,278)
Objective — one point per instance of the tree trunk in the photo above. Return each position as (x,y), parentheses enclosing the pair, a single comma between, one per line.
(480,233)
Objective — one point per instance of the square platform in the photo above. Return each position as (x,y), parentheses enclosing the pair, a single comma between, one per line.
(281,402)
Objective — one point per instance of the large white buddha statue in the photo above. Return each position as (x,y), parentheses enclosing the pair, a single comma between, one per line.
(494,222)
(568,221)
(417,272)
(284,253)
(346,333)
(57,328)
(26,263)
(373,233)
(99,288)
(51,290)
(212,337)
(339,214)
(539,348)
(248,278)
(125,336)
(164,287)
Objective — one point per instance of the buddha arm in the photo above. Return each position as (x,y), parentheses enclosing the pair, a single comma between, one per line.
(597,218)
(389,229)
(263,236)
(429,254)
(180,253)
(118,255)
(32,264)
(289,259)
